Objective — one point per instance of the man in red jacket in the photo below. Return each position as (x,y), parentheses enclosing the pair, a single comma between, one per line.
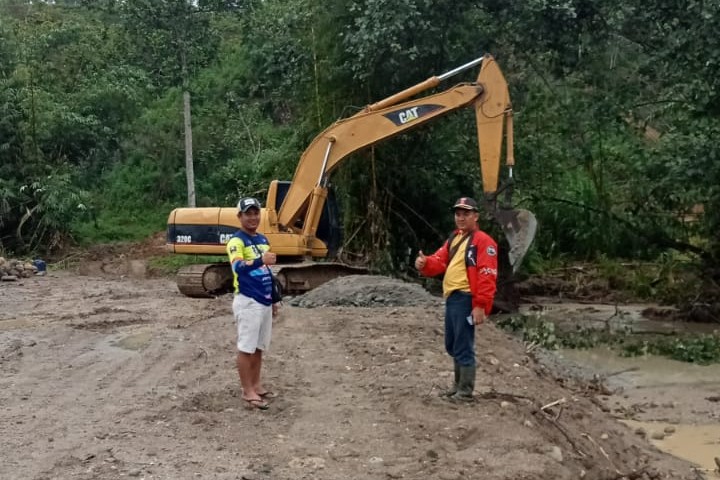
(469,261)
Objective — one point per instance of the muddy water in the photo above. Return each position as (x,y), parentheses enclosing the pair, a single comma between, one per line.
(676,405)
(569,314)
(696,443)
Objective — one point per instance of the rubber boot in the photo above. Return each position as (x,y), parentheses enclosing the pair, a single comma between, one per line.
(466,384)
(453,390)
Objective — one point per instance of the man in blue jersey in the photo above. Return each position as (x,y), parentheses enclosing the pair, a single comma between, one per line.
(250,257)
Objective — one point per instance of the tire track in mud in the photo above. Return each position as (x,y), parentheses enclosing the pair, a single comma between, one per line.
(83,378)
(81,386)
(54,388)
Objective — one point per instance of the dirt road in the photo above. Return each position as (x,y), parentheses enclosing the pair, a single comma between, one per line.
(106,378)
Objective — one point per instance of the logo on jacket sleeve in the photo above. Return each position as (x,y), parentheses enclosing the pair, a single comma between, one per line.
(471,256)
(491,251)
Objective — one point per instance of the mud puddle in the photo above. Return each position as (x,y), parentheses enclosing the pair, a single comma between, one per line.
(675,405)
(699,444)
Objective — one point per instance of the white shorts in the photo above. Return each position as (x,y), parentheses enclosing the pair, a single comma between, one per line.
(254,324)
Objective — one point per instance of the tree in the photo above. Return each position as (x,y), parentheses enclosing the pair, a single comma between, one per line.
(172,38)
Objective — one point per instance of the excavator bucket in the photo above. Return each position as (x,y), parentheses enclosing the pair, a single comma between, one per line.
(519,227)
(494,113)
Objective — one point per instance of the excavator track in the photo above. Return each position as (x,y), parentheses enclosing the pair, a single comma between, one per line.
(205,280)
(298,278)
(211,280)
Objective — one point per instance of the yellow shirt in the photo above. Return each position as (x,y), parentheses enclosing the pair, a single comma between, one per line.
(456,273)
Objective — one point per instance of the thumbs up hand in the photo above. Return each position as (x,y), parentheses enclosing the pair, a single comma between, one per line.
(269,258)
(420,260)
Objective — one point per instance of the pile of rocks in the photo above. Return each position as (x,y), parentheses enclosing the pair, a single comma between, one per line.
(12,269)
(367,291)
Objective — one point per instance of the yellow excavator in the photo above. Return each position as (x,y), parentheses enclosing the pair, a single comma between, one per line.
(300,218)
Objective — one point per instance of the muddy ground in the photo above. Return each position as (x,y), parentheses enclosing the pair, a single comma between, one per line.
(109,376)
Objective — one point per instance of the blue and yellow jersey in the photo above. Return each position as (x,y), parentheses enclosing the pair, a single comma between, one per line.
(251,277)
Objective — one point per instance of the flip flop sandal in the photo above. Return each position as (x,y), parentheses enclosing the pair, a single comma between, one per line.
(268,395)
(256,403)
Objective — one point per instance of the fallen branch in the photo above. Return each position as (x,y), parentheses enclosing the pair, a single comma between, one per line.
(552,404)
(511,397)
(432,387)
(620,372)
(200,354)
(544,416)
(602,450)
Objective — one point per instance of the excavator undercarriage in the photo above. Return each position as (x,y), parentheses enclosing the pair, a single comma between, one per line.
(211,280)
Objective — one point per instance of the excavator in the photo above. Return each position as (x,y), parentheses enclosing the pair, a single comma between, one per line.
(300,217)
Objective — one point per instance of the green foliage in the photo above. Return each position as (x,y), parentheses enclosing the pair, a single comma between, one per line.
(693,348)
(46,209)
(534,330)
(170,38)
(116,224)
(702,349)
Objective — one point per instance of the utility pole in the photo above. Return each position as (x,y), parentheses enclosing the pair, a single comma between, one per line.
(189,168)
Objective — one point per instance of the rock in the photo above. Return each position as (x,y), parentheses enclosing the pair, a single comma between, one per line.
(604,436)
(669,430)
(504,404)
(657,435)
(8,278)
(555,453)
(640,432)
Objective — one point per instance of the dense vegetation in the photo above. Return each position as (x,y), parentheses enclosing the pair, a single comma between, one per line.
(616,116)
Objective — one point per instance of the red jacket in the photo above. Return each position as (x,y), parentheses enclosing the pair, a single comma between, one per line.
(481,263)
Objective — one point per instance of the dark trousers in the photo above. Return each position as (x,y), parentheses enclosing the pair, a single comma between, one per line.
(459,333)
